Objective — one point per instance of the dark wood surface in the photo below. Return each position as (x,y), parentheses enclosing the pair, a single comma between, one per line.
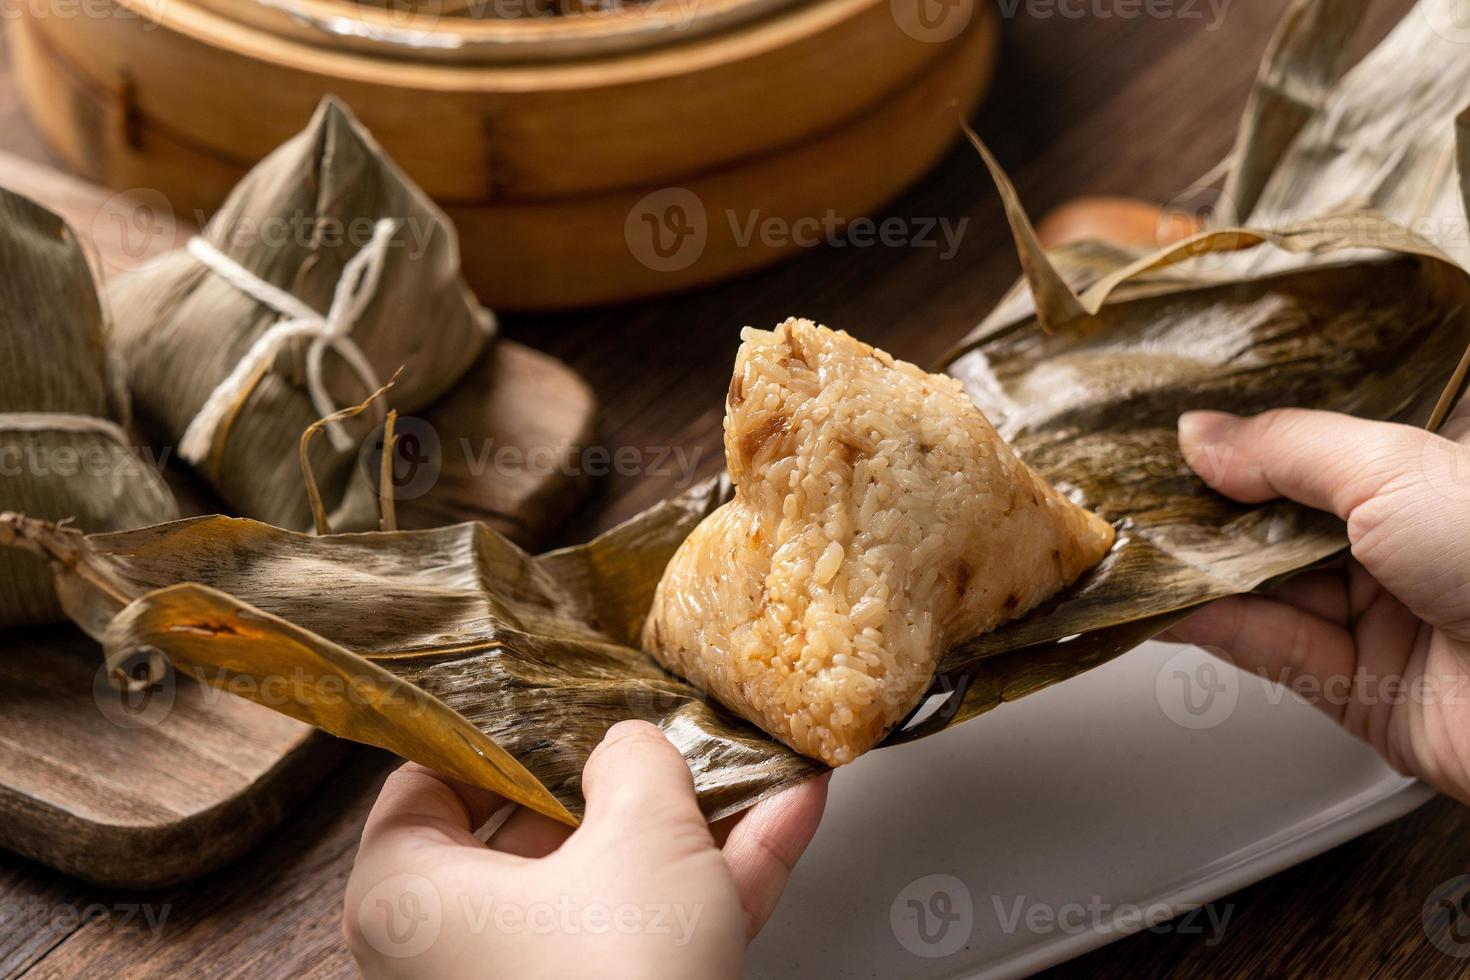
(1113,106)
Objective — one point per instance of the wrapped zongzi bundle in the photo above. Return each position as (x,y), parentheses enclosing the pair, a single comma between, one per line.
(878,519)
(64,454)
(324,272)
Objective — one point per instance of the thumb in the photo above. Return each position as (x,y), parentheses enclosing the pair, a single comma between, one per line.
(1402,491)
(637,779)
(1322,459)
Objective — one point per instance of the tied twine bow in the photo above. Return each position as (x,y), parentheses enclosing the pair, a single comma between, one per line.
(355,289)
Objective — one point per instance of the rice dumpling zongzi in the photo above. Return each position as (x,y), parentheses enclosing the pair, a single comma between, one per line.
(877,519)
(64,454)
(325,248)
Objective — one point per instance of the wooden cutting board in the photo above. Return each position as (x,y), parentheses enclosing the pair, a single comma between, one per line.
(142,792)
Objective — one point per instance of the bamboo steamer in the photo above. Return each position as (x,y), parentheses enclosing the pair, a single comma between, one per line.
(548,168)
(499,132)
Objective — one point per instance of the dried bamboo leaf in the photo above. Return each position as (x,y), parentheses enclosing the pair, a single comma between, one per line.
(64,453)
(1303,61)
(340,690)
(539,654)
(1380,340)
(298,221)
(1055,301)
(1379,137)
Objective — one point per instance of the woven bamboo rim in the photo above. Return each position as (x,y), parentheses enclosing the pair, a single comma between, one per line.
(420,34)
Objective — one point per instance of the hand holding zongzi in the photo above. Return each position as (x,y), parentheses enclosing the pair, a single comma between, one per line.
(640,889)
(1381,643)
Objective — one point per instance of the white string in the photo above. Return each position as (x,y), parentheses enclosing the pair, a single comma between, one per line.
(354,292)
(61,422)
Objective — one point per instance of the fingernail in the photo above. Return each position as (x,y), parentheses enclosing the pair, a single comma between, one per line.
(1205,428)
(630,727)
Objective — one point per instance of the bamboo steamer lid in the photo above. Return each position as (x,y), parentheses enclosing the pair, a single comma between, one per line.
(543,167)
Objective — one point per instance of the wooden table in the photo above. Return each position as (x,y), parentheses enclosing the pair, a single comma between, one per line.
(1125,106)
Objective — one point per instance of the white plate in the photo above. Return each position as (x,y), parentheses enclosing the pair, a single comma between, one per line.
(1054,825)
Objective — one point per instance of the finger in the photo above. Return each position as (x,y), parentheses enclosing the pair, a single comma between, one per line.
(433,808)
(1362,588)
(1278,642)
(1323,594)
(1322,459)
(529,834)
(636,779)
(1386,632)
(765,845)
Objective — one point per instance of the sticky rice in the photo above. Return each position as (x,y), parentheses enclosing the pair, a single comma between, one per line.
(878,519)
